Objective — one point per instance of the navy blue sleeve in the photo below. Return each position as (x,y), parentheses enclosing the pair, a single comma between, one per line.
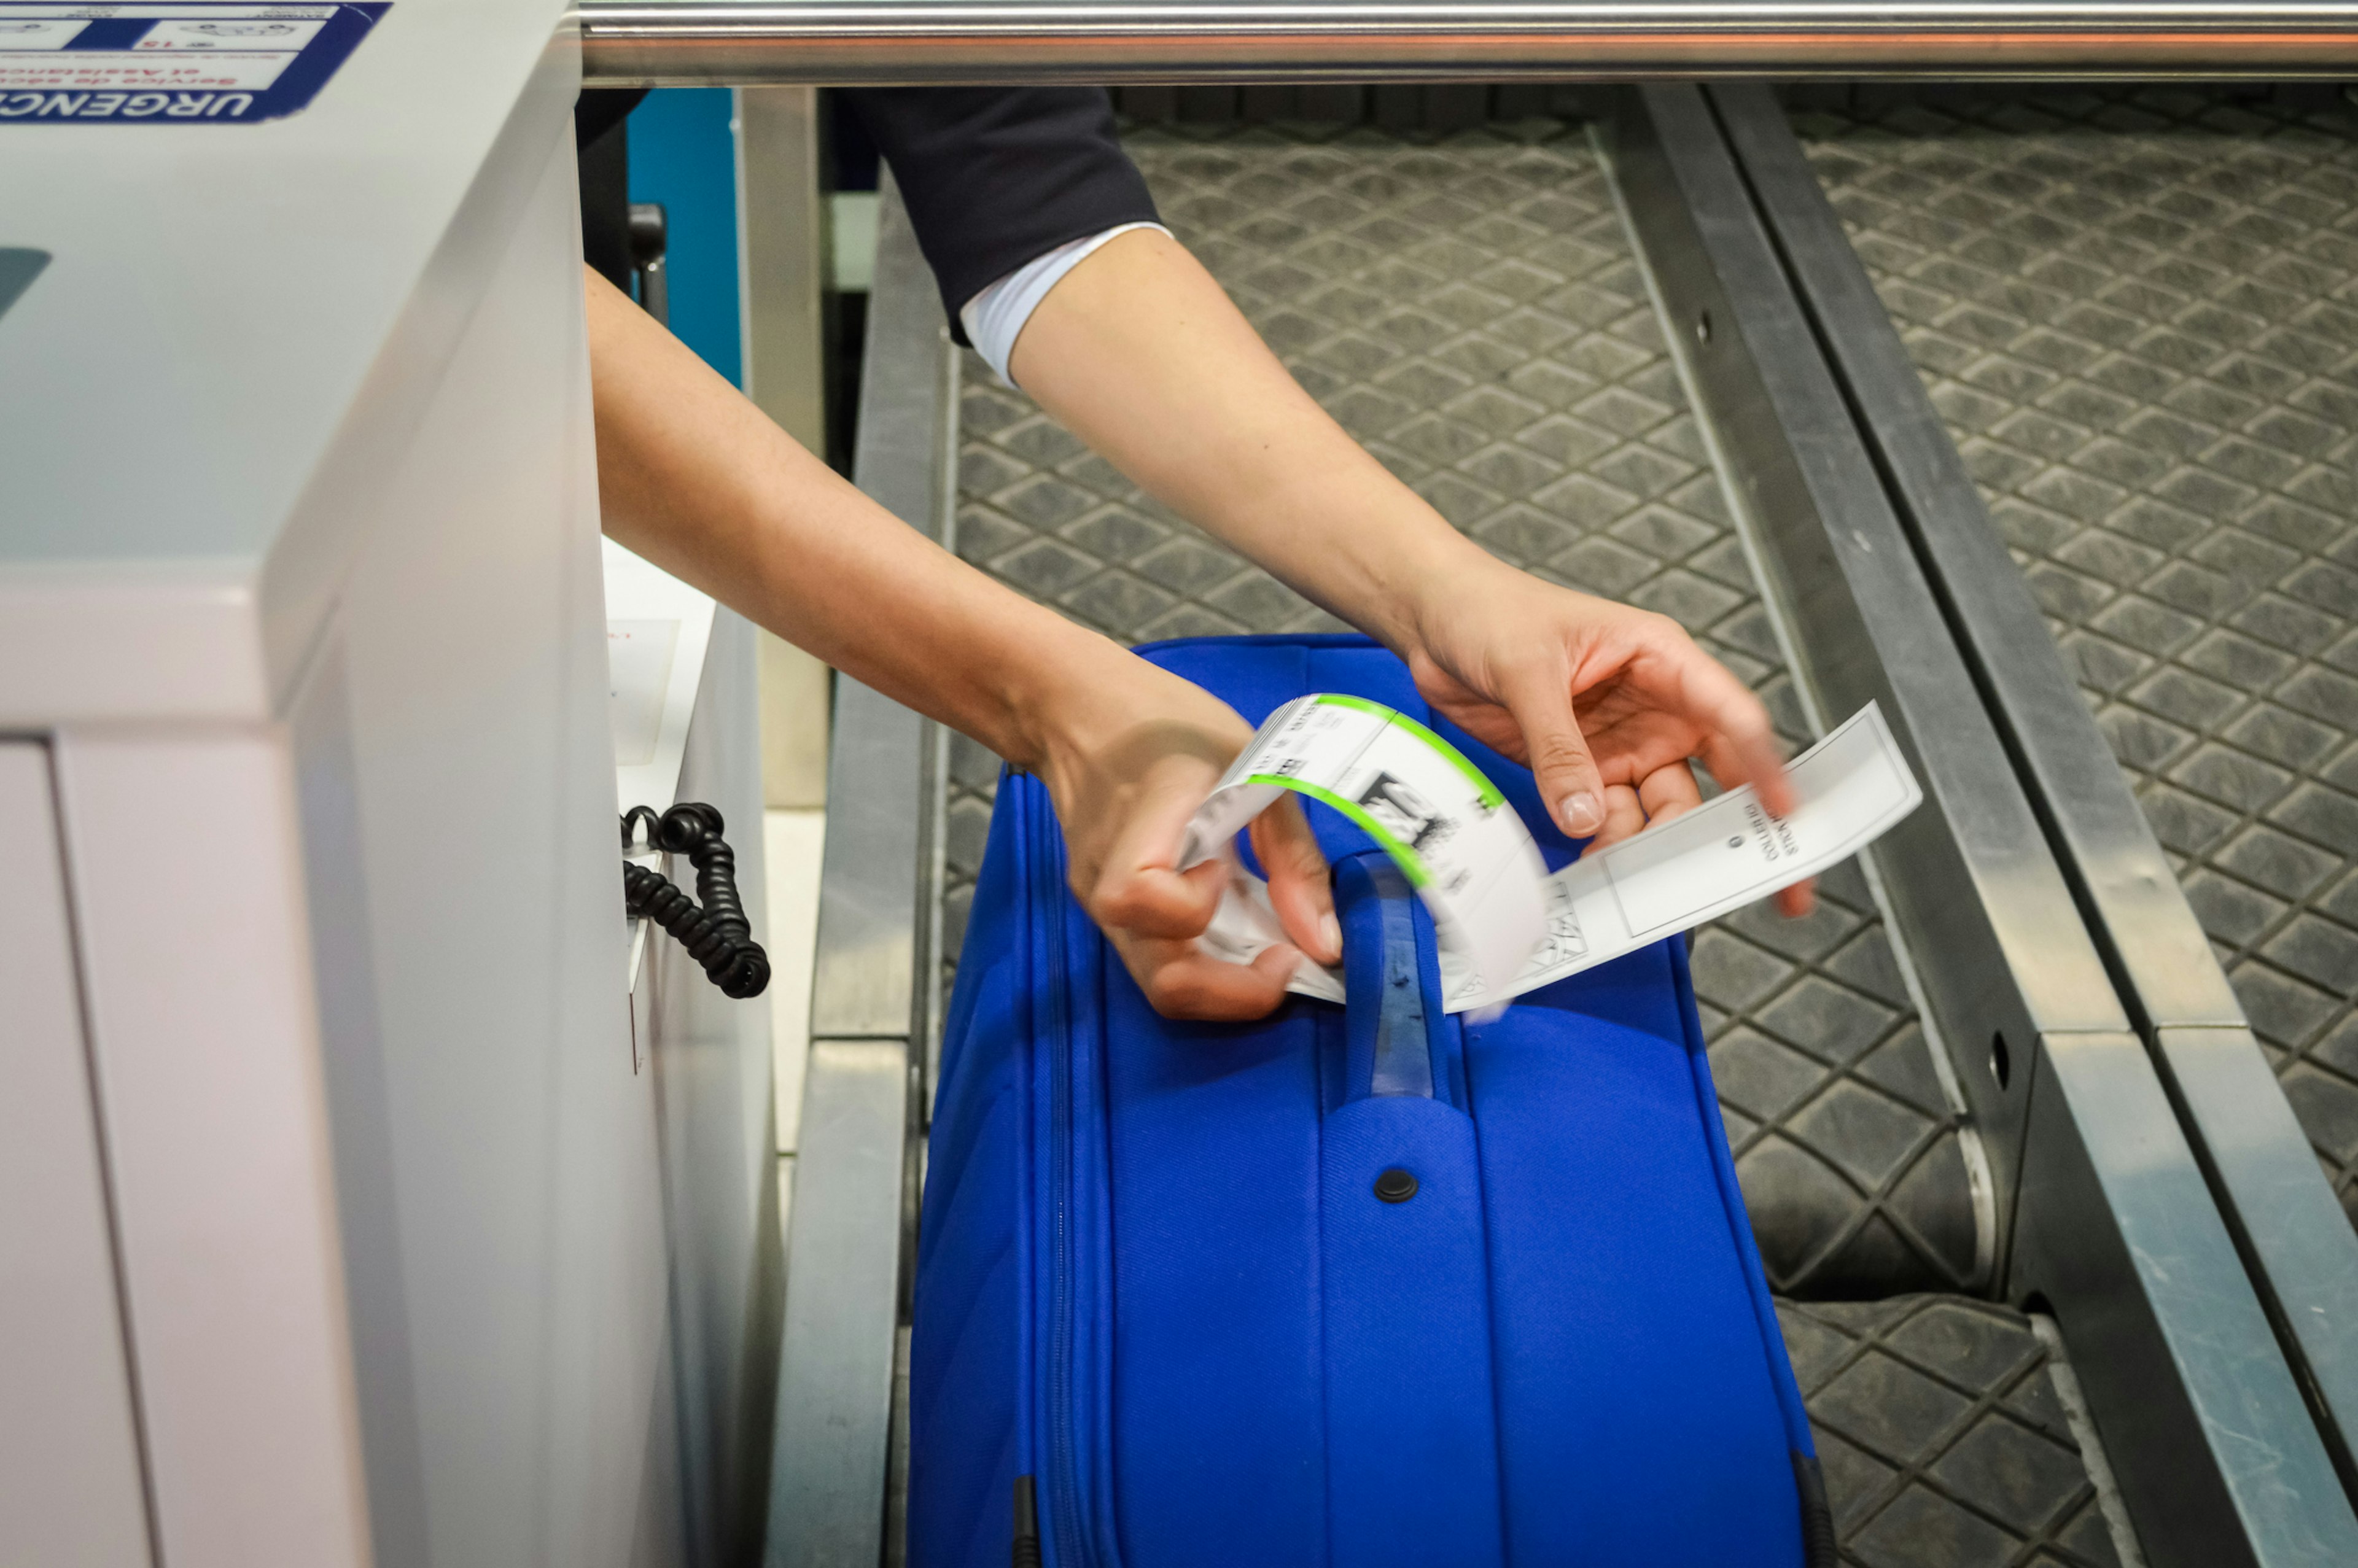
(601,140)
(994,177)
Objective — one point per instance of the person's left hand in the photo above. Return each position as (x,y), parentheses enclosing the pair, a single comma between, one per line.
(1130,751)
(1604,702)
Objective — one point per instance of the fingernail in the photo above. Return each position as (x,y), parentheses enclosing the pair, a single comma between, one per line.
(1582,812)
(1330,930)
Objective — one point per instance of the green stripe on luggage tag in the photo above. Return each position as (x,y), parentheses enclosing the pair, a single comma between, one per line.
(1410,863)
(1486,792)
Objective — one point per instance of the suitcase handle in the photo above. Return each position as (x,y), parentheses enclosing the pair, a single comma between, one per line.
(1393,1016)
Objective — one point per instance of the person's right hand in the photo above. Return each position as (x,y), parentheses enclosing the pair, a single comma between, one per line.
(1604,702)
(1129,759)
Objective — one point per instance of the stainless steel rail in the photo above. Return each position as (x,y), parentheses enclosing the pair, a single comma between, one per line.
(750,42)
(871,997)
(2113,1223)
(2302,1252)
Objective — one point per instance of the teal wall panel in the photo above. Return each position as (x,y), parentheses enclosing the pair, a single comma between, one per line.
(683,156)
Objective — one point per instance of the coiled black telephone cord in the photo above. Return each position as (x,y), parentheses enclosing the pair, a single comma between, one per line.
(717,934)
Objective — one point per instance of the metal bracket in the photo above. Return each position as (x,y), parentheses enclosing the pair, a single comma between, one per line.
(871,1001)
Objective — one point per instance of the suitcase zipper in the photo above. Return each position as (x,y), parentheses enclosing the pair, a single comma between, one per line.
(1063,1503)
(1403,1065)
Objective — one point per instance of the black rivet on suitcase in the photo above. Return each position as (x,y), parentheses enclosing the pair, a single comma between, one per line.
(1395,1186)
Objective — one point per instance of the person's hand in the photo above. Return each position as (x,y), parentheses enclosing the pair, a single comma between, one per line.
(1131,754)
(1604,702)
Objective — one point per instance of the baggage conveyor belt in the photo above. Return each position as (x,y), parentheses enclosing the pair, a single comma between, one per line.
(1471,306)
(1469,310)
(2137,312)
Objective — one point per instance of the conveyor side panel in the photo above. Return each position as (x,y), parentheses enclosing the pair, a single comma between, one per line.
(2137,315)
(2261,1168)
(2218,1457)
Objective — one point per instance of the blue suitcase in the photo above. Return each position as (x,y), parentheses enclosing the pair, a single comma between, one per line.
(1358,1286)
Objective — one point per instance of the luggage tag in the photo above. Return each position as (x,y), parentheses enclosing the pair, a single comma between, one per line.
(1446,826)
(1506,926)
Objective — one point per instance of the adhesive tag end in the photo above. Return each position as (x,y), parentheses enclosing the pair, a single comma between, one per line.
(1506,926)
(1851,787)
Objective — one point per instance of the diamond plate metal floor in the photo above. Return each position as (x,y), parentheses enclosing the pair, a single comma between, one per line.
(1468,308)
(2139,313)
(1944,1436)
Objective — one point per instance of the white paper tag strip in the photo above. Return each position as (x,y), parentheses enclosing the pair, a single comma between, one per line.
(1451,833)
(1851,786)
(1727,852)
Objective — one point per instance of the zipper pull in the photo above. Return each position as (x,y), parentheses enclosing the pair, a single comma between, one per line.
(1026,1550)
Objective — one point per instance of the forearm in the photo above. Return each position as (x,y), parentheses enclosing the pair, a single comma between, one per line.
(696,479)
(1141,353)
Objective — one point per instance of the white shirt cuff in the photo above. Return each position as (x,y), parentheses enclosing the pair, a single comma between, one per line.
(994,319)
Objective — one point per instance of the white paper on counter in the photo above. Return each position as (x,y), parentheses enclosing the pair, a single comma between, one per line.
(658,629)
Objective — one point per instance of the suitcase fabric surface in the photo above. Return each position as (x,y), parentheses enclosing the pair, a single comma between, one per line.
(1158,1290)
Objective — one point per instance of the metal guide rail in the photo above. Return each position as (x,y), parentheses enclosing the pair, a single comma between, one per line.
(2284,1215)
(840,1374)
(2112,1223)
(749,42)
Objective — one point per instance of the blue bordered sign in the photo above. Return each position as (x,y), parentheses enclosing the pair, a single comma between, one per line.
(180,62)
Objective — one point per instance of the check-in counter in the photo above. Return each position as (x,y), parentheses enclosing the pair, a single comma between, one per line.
(342,1223)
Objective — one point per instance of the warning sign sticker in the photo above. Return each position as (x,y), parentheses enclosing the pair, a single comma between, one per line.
(206,62)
